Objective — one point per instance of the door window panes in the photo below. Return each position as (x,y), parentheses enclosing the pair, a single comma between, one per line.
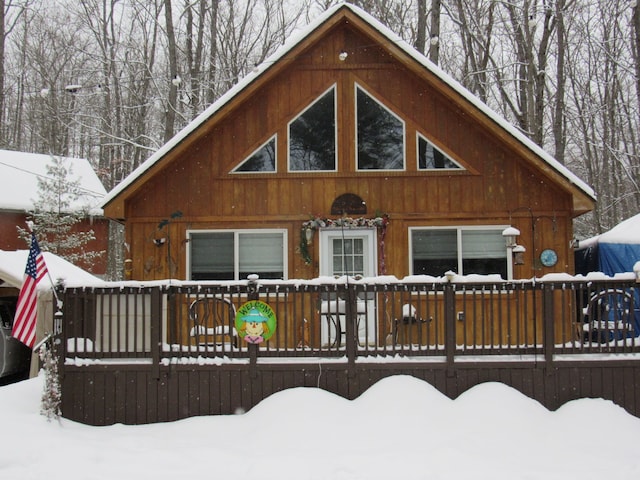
(348,256)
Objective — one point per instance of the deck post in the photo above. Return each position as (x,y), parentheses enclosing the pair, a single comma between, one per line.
(252,294)
(156,330)
(351,340)
(548,317)
(450,324)
(58,342)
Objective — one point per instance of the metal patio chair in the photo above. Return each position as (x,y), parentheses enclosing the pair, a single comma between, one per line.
(213,323)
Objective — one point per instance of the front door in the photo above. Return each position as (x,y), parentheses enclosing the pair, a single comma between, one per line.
(351,252)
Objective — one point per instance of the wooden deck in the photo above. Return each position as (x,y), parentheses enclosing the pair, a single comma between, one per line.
(152,353)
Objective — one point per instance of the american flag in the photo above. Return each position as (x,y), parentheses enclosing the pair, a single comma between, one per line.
(24,325)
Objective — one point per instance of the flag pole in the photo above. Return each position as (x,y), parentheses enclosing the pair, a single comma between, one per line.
(53,285)
(26,316)
(56,321)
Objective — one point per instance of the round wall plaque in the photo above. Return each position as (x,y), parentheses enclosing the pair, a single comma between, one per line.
(549,257)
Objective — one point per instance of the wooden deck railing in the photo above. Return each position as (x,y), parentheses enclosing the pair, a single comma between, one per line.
(436,321)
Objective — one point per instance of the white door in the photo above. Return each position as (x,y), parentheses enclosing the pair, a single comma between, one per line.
(351,252)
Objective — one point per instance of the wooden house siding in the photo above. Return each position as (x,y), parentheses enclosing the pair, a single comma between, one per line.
(498,185)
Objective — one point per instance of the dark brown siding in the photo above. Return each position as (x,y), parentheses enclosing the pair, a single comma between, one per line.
(9,239)
(131,394)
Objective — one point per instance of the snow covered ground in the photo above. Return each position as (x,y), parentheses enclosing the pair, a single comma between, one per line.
(401,428)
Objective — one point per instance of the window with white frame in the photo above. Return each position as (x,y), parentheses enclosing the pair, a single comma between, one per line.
(431,157)
(380,135)
(262,160)
(464,250)
(312,136)
(235,254)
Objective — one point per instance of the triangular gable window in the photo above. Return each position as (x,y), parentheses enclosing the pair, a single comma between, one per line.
(312,136)
(380,135)
(262,160)
(431,157)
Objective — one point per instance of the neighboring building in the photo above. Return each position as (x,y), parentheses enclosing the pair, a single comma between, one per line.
(295,172)
(14,356)
(20,172)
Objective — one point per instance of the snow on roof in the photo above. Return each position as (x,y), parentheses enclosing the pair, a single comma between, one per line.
(23,170)
(13,264)
(298,37)
(626,232)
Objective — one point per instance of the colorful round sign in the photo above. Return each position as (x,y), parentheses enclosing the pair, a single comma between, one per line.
(255,321)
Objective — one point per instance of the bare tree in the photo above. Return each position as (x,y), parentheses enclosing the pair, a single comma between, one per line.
(475,23)
(434,43)
(604,97)
(421,27)
(213,51)
(195,27)
(636,48)
(11,13)
(558,126)
(174,78)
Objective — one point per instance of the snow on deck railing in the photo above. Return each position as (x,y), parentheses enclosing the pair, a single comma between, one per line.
(449,318)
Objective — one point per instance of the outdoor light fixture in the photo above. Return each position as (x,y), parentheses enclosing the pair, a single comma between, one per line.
(343,55)
(510,234)
(128,269)
(308,233)
(518,254)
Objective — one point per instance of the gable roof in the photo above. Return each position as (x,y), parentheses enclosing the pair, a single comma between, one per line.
(24,169)
(583,195)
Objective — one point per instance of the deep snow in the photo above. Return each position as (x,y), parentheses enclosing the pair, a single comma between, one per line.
(401,428)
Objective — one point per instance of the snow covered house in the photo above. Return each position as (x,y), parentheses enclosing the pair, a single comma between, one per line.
(347,136)
(21,171)
(386,212)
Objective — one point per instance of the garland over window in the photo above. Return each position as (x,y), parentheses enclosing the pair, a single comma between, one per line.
(380,222)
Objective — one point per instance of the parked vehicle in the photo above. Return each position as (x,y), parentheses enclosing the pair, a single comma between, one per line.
(14,355)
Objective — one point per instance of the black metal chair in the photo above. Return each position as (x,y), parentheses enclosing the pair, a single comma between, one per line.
(213,323)
(608,316)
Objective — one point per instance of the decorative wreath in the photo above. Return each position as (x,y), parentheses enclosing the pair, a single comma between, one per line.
(380,222)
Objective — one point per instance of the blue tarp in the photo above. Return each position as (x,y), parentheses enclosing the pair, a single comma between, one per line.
(619,258)
(615,251)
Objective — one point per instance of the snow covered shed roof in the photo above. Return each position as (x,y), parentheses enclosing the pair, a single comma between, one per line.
(626,232)
(24,169)
(583,194)
(13,264)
